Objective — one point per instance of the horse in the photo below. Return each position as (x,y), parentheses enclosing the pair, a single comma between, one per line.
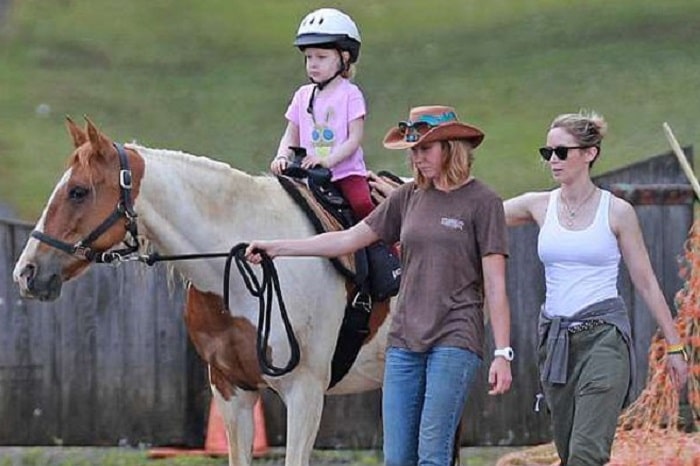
(180,203)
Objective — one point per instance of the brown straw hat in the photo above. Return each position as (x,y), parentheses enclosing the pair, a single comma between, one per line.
(431,123)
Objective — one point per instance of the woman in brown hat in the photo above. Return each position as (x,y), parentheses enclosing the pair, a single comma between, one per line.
(454,245)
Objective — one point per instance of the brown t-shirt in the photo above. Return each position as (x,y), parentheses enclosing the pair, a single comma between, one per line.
(444,236)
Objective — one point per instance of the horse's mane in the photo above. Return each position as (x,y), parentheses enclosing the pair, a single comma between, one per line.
(183,157)
(81,158)
(173,275)
(219,179)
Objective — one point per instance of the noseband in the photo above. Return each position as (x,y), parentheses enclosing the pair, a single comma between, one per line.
(124,209)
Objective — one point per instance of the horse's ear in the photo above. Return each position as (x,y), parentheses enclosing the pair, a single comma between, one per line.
(76,132)
(99,141)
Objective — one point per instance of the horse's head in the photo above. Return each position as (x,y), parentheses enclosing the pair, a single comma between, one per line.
(88,213)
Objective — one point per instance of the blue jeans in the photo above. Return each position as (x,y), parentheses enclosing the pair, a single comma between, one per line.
(422,403)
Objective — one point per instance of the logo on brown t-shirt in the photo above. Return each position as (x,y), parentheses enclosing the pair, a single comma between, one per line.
(453,223)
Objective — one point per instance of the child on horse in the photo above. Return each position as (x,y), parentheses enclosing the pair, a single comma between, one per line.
(326,117)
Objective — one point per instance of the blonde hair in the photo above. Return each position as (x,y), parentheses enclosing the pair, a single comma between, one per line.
(587,127)
(349,69)
(457,160)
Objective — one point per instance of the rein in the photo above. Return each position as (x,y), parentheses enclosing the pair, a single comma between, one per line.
(263,291)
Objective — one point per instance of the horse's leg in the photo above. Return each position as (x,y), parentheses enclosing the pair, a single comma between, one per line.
(304,400)
(227,344)
(237,413)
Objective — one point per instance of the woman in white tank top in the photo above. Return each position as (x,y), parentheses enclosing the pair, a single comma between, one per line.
(585,334)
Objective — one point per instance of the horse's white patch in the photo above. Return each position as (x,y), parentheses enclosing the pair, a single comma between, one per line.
(61,183)
(33,243)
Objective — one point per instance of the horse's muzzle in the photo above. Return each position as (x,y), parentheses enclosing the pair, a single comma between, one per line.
(46,287)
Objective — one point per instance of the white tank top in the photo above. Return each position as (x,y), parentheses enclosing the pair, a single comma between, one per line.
(580,266)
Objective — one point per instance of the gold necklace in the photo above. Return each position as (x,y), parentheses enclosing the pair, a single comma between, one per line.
(571,212)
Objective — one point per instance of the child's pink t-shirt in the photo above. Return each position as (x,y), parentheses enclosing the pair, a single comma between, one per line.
(333,110)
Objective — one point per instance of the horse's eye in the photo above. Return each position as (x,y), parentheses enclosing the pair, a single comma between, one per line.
(78,193)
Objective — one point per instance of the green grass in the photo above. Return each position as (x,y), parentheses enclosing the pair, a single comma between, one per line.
(73,456)
(214,77)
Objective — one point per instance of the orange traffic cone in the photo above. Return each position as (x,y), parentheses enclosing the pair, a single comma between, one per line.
(216,442)
(260,445)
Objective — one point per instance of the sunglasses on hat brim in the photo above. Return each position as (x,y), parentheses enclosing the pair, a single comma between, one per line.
(414,130)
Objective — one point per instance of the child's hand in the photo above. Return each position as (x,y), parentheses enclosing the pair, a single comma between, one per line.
(278,164)
(311,161)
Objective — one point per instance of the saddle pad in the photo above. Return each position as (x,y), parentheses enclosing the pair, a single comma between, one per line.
(321,219)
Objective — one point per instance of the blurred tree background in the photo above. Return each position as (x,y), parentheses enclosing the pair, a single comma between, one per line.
(214,77)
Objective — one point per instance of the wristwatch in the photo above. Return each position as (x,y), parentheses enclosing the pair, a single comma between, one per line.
(506,353)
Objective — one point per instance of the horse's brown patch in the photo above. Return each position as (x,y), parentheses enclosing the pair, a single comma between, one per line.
(380,311)
(225,342)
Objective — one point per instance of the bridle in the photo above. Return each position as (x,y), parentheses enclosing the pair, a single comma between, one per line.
(124,210)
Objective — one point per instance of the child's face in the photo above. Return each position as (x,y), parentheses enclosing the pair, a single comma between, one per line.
(321,64)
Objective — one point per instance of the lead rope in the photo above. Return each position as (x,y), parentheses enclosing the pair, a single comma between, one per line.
(263,291)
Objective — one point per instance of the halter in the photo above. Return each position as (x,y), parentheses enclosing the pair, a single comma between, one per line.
(124,209)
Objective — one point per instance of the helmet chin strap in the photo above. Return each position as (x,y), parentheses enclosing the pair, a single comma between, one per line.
(321,85)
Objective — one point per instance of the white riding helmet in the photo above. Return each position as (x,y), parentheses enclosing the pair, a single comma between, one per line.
(329,28)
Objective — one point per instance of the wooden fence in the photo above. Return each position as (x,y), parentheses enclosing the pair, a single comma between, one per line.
(110,362)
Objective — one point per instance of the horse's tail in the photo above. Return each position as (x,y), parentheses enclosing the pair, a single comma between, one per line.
(457,444)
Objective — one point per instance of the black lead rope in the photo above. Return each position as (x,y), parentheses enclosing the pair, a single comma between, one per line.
(263,291)
(155,257)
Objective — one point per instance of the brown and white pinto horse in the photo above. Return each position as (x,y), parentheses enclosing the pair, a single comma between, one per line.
(189,204)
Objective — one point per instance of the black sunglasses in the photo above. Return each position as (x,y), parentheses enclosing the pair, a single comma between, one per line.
(561,151)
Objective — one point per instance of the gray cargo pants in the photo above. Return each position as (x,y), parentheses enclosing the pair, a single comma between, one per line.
(585,410)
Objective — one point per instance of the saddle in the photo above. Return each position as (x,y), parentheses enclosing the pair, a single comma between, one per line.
(375,269)
(374,273)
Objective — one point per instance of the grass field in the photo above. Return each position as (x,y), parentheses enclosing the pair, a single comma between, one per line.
(51,456)
(214,77)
